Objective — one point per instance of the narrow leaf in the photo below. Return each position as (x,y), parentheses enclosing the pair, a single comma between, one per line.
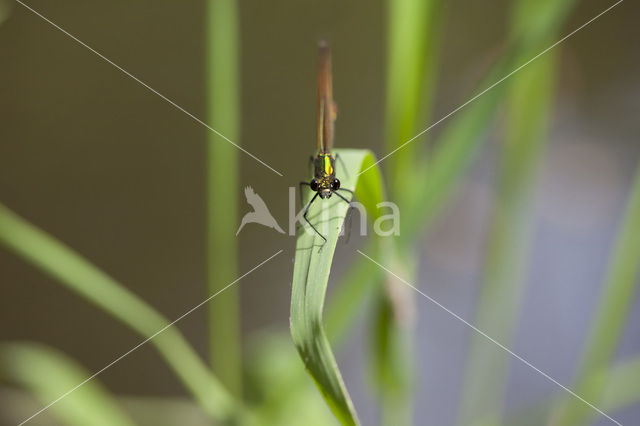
(76,273)
(311,274)
(509,242)
(223,113)
(621,390)
(48,374)
(616,299)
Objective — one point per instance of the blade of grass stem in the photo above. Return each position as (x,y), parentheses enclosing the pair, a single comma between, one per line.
(223,107)
(411,68)
(47,374)
(438,176)
(497,312)
(621,390)
(392,349)
(616,298)
(76,273)
(347,301)
(311,271)
(529,95)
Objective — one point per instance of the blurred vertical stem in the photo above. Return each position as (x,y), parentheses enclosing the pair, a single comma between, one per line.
(392,353)
(411,67)
(223,99)
(529,98)
(616,299)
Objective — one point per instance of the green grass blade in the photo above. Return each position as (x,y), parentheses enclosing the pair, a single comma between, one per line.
(411,68)
(349,300)
(530,95)
(76,273)
(616,299)
(412,47)
(223,114)
(438,176)
(311,274)
(392,343)
(622,387)
(621,390)
(280,386)
(48,374)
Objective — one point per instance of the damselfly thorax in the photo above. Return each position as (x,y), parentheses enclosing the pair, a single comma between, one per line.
(324,181)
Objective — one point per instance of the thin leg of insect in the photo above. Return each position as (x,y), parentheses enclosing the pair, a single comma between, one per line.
(306,210)
(347,221)
(342,196)
(347,190)
(346,227)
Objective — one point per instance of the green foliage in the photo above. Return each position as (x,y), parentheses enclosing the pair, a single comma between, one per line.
(80,276)
(411,74)
(622,387)
(411,70)
(392,366)
(529,98)
(421,181)
(621,390)
(48,374)
(223,109)
(616,297)
(281,388)
(311,274)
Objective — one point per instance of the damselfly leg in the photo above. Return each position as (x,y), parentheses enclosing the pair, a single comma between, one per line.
(315,196)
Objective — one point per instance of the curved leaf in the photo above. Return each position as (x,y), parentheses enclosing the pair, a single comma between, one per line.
(79,275)
(48,374)
(311,274)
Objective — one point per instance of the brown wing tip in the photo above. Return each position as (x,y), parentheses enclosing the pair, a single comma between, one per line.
(324,64)
(323,46)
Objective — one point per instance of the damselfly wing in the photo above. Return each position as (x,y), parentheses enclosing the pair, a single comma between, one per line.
(327,110)
(324,182)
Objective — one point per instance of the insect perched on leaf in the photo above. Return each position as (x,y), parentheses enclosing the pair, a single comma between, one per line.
(324,182)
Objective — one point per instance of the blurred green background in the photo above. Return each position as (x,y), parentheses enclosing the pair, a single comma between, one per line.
(98,161)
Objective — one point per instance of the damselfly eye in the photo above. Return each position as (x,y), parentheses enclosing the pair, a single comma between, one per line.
(314,184)
(335,184)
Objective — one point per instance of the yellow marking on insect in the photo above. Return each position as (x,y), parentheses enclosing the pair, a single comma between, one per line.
(328,168)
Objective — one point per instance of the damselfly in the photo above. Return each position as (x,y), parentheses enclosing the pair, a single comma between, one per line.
(324,182)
